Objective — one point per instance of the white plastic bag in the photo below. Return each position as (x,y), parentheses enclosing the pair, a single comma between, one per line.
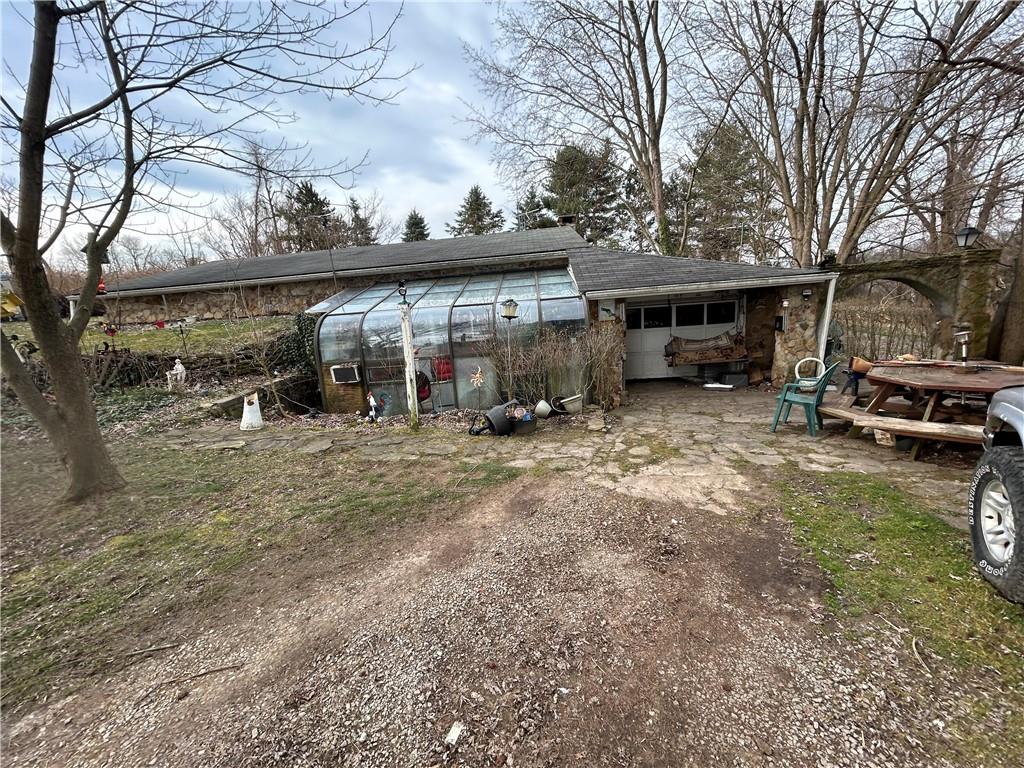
(251,416)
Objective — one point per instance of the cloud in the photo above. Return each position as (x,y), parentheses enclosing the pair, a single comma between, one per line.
(420,151)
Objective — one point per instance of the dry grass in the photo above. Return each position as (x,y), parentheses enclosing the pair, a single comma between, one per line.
(83,586)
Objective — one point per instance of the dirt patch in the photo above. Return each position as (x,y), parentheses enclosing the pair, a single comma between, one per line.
(567,627)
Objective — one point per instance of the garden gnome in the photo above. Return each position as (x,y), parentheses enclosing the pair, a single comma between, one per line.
(176,375)
(251,416)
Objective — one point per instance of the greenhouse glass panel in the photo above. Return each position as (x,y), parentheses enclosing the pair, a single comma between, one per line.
(471,327)
(365,300)
(480,290)
(555,284)
(382,346)
(443,294)
(339,338)
(519,286)
(433,353)
(525,325)
(564,314)
(334,301)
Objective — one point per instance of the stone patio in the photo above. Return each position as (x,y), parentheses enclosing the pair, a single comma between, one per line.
(672,441)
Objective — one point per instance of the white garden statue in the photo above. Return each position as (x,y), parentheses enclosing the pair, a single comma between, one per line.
(251,416)
(176,376)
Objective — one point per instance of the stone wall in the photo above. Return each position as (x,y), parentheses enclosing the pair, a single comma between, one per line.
(800,339)
(222,303)
(964,286)
(773,353)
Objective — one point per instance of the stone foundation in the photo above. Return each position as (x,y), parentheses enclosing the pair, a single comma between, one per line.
(221,303)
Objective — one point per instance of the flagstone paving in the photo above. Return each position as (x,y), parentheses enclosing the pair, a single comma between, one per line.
(672,441)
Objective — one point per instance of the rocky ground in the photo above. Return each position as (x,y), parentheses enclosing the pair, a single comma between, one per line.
(636,599)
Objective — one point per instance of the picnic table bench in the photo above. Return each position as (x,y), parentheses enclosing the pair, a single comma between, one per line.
(927,385)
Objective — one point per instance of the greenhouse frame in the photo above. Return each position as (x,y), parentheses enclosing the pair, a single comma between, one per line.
(359,338)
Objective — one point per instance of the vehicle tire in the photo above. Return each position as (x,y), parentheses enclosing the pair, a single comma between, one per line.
(995,512)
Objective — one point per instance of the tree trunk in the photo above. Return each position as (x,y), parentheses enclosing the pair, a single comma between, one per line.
(70,424)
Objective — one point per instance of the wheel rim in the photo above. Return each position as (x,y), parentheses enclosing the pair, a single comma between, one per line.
(997,522)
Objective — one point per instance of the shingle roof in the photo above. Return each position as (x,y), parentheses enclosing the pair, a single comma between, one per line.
(374,257)
(599,269)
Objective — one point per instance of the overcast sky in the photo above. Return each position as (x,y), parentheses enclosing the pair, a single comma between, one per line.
(420,151)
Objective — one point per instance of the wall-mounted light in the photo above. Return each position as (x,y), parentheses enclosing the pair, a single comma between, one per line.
(785,303)
(806,293)
(967,236)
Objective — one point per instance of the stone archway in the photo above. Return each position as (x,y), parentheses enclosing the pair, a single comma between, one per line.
(963,287)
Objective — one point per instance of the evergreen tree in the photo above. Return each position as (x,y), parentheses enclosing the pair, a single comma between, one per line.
(415,227)
(586,185)
(309,220)
(531,212)
(360,230)
(476,216)
(728,209)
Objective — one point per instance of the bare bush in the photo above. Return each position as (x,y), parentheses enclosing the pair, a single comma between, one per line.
(554,362)
(882,332)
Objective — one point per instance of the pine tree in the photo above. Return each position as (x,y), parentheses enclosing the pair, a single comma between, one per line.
(586,185)
(361,231)
(309,220)
(729,208)
(415,227)
(476,216)
(531,212)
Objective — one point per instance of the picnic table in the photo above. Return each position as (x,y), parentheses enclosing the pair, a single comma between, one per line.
(926,386)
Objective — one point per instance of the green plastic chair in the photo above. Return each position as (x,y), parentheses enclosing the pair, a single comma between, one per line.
(791,395)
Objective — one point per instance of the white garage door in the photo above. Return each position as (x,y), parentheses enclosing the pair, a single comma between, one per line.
(649,329)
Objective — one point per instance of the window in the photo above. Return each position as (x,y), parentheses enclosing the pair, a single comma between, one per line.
(563,314)
(633,318)
(339,338)
(689,315)
(657,317)
(721,312)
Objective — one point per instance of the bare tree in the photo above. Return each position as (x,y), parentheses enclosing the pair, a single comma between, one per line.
(184,248)
(846,100)
(95,163)
(579,72)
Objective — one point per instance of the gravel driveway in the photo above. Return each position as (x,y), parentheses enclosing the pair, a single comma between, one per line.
(576,620)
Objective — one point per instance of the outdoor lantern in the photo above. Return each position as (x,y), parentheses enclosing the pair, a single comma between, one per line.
(785,303)
(402,290)
(967,236)
(806,293)
(509,309)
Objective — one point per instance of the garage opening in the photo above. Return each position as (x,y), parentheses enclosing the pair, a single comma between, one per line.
(698,324)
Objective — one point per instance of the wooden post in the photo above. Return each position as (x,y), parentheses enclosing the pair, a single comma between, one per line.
(410,364)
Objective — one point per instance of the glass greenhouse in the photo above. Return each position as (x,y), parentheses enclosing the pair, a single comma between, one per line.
(359,336)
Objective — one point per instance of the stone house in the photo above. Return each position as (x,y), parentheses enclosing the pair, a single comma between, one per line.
(681,317)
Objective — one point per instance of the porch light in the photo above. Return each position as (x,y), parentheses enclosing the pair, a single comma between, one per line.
(806,293)
(402,290)
(510,309)
(967,236)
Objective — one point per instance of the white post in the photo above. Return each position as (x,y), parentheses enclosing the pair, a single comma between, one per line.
(410,363)
(826,320)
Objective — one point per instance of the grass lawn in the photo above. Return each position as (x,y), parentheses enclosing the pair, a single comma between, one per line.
(84,586)
(888,556)
(208,336)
